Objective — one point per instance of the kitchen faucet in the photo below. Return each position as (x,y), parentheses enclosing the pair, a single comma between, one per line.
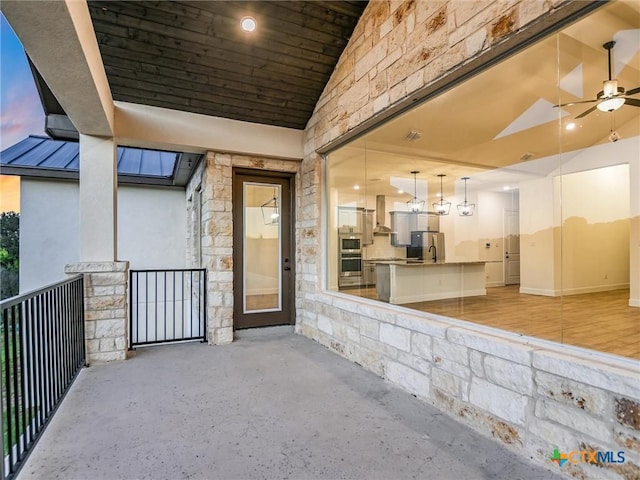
(435,253)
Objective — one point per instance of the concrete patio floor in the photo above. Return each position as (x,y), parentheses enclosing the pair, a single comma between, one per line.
(272,405)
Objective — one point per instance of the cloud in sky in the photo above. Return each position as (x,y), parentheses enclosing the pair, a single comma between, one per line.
(21,113)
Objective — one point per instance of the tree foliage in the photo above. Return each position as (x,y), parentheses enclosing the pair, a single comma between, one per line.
(10,233)
(9,254)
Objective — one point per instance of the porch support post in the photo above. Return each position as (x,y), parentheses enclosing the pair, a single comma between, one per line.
(105,278)
(98,199)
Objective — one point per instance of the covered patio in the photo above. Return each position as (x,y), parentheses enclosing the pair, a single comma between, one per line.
(293,410)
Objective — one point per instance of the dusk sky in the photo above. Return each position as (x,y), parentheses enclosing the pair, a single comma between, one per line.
(20,110)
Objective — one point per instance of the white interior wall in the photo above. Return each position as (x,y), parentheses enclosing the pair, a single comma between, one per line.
(151,229)
(537,266)
(595,230)
(634,234)
(593,208)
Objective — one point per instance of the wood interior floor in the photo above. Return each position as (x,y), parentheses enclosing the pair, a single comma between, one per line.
(262,302)
(601,321)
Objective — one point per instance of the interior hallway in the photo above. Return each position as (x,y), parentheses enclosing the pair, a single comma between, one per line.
(271,405)
(601,321)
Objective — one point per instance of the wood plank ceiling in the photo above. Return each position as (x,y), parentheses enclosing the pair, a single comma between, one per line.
(193,56)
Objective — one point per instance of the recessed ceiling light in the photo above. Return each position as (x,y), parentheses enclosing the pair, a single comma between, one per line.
(570,126)
(506,187)
(248,24)
(356,187)
(400,192)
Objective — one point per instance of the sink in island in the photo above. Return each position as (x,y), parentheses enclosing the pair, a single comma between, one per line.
(401,282)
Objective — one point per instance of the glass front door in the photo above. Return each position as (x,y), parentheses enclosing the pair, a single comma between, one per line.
(263,256)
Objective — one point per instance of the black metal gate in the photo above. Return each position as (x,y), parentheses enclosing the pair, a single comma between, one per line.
(167,306)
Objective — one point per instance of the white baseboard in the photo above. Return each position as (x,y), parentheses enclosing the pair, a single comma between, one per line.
(539,291)
(573,291)
(495,284)
(634,302)
(596,288)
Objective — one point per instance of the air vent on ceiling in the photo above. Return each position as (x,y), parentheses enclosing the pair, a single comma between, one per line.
(412,136)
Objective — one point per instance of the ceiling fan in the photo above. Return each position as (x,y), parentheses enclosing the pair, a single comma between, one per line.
(611,97)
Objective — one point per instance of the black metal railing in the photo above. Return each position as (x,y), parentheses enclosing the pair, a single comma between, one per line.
(167,306)
(42,351)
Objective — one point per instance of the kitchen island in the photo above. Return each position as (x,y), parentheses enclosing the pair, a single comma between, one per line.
(401,282)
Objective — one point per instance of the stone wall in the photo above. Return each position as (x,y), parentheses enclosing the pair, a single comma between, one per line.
(215,178)
(105,309)
(533,397)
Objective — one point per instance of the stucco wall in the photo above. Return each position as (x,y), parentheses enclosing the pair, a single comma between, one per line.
(532,396)
(151,229)
(49,223)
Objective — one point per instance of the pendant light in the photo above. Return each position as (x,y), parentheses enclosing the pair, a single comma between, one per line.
(415,205)
(441,207)
(271,211)
(465,208)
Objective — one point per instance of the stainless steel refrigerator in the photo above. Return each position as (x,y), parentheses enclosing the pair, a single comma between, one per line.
(427,246)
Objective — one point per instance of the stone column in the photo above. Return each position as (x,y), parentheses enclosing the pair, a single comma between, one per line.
(105,279)
(105,308)
(217,246)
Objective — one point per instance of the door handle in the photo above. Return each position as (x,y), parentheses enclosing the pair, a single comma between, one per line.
(287,268)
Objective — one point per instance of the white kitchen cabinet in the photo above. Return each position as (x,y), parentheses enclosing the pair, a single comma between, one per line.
(356,220)
(350,220)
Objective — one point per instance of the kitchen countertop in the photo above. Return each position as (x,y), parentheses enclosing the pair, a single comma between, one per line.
(390,259)
(405,263)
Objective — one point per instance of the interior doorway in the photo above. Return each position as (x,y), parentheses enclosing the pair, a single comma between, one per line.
(263,249)
(511,247)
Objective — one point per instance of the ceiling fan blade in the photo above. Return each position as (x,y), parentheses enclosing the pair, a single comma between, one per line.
(632,101)
(587,112)
(575,103)
(633,91)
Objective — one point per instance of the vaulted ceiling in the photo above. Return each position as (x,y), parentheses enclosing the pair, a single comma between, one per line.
(193,56)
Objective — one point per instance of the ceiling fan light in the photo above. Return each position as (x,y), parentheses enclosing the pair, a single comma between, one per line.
(611,104)
(610,88)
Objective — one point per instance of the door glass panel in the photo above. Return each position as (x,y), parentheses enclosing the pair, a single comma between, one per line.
(262,247)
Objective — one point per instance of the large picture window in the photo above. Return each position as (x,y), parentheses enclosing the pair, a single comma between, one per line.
(507,201)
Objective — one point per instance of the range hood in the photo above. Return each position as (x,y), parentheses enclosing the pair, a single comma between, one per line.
(381,213)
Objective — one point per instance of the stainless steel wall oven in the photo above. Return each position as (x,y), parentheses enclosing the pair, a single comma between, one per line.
(350,260)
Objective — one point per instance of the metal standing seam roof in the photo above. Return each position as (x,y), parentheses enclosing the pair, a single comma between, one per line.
(48,154)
